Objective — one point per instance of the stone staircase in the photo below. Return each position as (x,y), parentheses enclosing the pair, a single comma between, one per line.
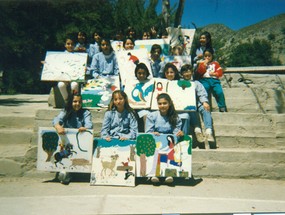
(251,136)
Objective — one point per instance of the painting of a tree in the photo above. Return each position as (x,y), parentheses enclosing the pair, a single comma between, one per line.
(145,147)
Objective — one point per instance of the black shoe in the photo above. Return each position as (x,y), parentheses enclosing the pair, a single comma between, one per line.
(223,109)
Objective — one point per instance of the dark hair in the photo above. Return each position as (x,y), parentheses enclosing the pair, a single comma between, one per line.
(128,38)
(208,37)
(108,42)
(70,36)
(172,66)
(127,106)
(171,113)
(68,106)
(155,46)
(186,67)
(143,67)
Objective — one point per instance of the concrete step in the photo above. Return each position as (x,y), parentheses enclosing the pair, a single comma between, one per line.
(240,163)
(20,122)
(16,136)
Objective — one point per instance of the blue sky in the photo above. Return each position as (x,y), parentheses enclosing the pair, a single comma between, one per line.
(235,14)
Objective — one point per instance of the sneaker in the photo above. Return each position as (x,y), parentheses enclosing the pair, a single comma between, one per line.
(200,137)
(154,179)
(64,177)
(169,180)
(223,109)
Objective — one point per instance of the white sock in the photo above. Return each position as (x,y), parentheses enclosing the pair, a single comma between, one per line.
(197,130)
(209,131)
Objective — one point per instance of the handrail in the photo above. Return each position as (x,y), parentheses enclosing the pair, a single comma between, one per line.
(256,69)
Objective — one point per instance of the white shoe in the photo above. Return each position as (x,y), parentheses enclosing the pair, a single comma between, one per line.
(154,179)
(169,180)
(210,138)
(64,177)
(200,137)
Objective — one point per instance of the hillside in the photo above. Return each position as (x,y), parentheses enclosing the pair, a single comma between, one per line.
(271,30)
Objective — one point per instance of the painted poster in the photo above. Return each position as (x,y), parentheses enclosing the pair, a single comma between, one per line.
(113,163)
(64,66)
(182,93)
(71,152)
(97,93)
(127,61)
(147,44)
(140,93)
(163,156)
(117,45)
(178,61)
(179,36)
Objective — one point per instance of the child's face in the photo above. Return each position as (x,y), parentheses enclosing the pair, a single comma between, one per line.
(187,75)
(163,106)
(208,56)
(129,45)
(76,103)
(203,40)
(81,37)
(146,36)
(155,55)
(141,75)
(96,37)
(105,47)
(119,101)
(69,45)
(170,74)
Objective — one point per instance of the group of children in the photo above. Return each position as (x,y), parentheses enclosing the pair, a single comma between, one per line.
(120,120)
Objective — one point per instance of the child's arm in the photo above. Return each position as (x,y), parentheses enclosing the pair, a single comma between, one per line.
(106,125)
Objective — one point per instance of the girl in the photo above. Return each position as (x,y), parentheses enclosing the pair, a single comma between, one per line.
(210,71)
(120,120)
(62,86)
(128,43)
(73,116)
(165,121)
(81,45)
(105,62)
(171,73)
(95,47)
(205,40)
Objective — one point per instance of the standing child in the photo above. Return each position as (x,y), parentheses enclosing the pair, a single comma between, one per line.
(62,86)
(120,120)
(105,62)
(73,116)
(155,61)
(128,43)
(205,40)
(164,121)
(210,71)
(202,105)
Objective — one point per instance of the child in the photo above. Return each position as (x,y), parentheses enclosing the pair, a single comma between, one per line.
(210,71)
(62,86)
(142,74)
(128,43)
(73,116)
(205,40)
(145,35)
(95,47)
(202,105)
(166,121)
(105,62)
(120,120)
(81,45)
(171,73)
(155,61)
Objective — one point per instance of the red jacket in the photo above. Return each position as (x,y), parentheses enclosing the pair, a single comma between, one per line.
(214,66)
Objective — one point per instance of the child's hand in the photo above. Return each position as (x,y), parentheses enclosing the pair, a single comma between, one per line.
(123,138)
(156,133)
(81,129)
(206,106)
(180,133)
(59,129)
(108,139)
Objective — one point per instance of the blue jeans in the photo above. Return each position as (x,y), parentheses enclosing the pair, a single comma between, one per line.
(207,118)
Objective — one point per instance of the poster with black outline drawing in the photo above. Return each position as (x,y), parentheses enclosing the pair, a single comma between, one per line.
(164,155)
(182,93)
(71,152)
(113,163)
(64,66)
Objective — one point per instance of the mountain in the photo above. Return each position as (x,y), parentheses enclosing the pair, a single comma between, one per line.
(272,30)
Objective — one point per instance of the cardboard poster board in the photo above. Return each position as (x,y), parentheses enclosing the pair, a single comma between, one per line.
(71,152)
(178,61)
(127,61)
(97,93)
(163,156)
(117,45)
(113,163)
(140,94)
(182,93)
(64,66)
